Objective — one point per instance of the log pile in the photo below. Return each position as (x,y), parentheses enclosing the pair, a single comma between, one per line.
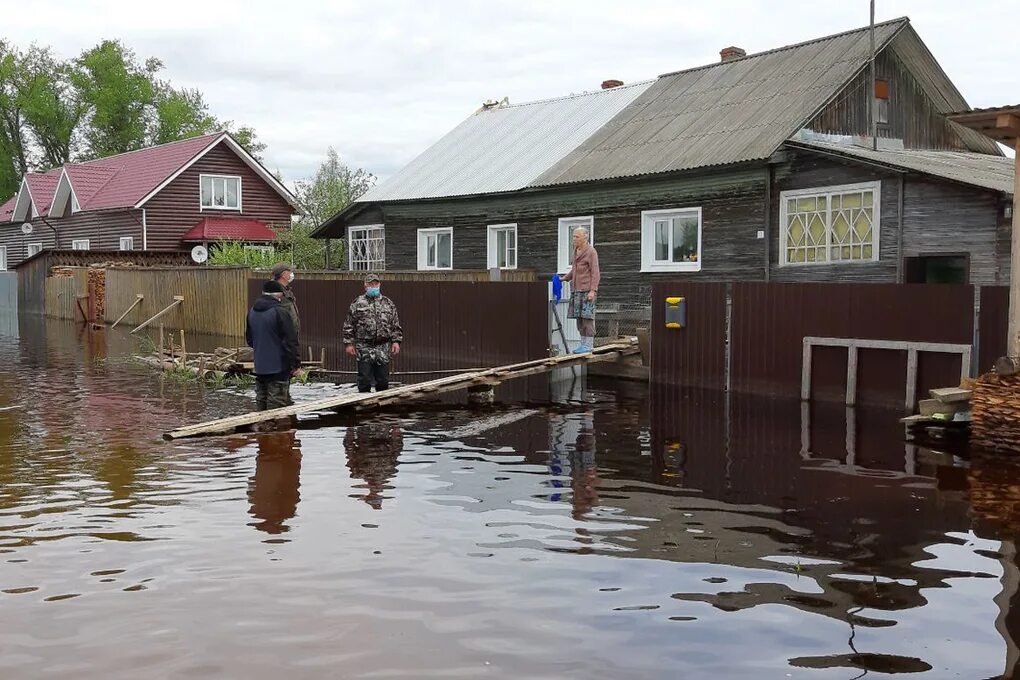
(97,289)
(996,413)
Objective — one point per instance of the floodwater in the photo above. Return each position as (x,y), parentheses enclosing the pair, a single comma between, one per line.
(616,534)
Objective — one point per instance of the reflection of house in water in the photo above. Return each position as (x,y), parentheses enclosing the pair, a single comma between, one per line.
(372,451)
(273,489)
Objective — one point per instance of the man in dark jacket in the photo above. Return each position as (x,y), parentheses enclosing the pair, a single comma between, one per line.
(270,332)
(371,334)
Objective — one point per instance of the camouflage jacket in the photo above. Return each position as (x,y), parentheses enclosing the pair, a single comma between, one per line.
(289,305)
(372,325)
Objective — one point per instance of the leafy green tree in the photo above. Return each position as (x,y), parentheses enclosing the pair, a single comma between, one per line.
(180,114)
(50,105)
(13,160)
(117,92)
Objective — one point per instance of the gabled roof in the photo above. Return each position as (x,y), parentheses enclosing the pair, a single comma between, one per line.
(976,169)
(129,180)
(728,112)
(36,191)
(229,229)
(504,148)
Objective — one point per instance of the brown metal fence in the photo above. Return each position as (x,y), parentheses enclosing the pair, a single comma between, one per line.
(477,275)
(748,336)
(448,325)
(696,355)
(992,325)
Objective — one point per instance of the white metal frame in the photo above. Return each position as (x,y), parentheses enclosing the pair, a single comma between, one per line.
(350,246)
(61,194)
(76,244)
(492,258)
(565,229)
(29,212)
(201,180)
(423,235)
(648,261)
(29,246)
(3,258)
(130,242)
(876,222)
(855,344)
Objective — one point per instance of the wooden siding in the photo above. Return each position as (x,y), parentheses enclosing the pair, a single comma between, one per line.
(732,206)
(62,295)
(103,230)
(215,298)
(175,209)
(809,171)
(943,218)
(912,115)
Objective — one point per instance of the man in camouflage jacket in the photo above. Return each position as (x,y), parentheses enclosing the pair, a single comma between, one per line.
(371,334)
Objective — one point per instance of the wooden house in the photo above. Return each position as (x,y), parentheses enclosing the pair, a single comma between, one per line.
(758,167)
(161,198)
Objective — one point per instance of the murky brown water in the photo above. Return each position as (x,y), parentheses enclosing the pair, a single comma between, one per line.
(633,536)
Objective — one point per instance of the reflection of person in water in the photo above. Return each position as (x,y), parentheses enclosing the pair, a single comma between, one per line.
(273,490)
(372,452)
(572,451)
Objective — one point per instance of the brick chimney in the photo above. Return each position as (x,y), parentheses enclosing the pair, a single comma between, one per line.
(610,84)
(730,53)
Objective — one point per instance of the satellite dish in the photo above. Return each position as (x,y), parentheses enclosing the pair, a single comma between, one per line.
(26,228)
(199,254)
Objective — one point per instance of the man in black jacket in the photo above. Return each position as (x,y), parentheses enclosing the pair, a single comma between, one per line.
(270,332)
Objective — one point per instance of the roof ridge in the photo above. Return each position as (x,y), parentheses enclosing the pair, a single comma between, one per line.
(900,20)
(573,95)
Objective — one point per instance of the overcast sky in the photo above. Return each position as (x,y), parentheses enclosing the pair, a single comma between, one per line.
(382,80)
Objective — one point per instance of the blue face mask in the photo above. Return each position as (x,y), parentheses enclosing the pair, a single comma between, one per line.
(373,292)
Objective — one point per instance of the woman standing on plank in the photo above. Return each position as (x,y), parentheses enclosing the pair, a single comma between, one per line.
(584,277)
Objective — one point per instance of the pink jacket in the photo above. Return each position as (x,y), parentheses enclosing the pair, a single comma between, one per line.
(585,274)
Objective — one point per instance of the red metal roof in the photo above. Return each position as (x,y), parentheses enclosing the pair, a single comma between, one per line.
(42,185)
(229,229)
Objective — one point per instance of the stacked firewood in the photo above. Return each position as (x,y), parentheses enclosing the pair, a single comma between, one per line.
(996,412)
(97,288)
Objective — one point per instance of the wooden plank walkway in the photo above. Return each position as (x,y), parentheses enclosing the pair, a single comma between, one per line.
(406,393)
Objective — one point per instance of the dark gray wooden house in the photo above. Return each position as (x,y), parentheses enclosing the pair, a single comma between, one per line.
(759,167)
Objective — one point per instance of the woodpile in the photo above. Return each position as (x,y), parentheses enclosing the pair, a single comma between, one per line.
(97,291)
(996,414)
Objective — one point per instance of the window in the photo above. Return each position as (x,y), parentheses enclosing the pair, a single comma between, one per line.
(366,248)
(882,102)
(671,240)
(3,258)
(127,243)
(435,248)
(565,259)
(220,192)
(80,244)
(832,224)
(502,246)
(34,249)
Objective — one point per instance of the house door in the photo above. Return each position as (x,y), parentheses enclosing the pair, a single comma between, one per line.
(937,269)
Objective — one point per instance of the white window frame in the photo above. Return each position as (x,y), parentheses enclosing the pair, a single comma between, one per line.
(565,246)
(29,246)
(493,241)
(3,258)
(367,264)
(80,244)
(212,178)
(423,235)
(876,222)
(130,242)
(648,261)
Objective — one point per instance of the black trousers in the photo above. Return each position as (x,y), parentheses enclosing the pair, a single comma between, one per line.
(370,372)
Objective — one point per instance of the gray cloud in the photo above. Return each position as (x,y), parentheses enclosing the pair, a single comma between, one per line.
(380,81)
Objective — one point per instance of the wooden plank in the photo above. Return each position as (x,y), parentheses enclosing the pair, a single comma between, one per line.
(851,376)
(911,394)
(404,393)
(805,372)
(950,395)
(177,300)
(138,298)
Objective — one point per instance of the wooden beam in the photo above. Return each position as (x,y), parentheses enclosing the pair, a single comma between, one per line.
(138,298)
(178,299)
(406,393)
(1008,121)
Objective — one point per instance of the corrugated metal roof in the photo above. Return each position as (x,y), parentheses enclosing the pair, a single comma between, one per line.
(977,169)
(729,112)
(505,148)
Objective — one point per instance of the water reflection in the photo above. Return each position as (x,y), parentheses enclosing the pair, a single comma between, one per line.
(670,534)
(274,488)
(372,450)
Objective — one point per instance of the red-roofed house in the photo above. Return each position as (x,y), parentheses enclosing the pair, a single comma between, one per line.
(165,197)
